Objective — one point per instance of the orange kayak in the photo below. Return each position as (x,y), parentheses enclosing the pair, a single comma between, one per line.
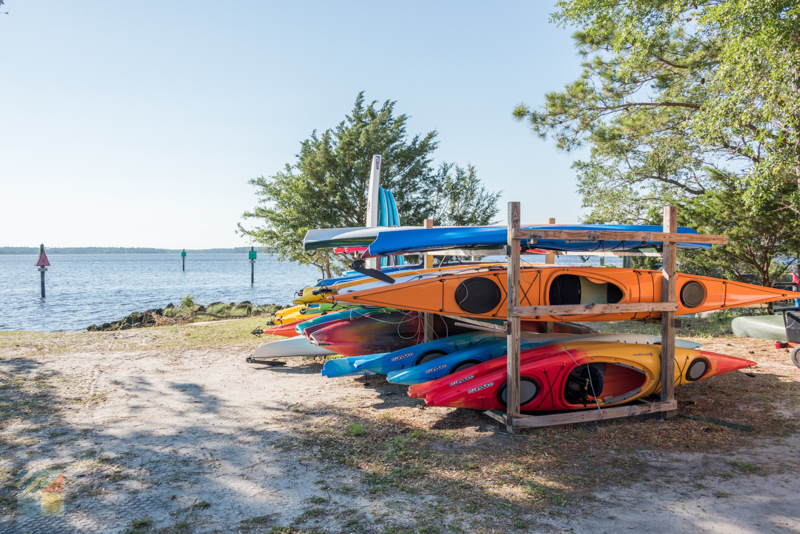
(481,292)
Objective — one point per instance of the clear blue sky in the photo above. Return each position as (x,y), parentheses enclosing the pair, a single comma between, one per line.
(139,123)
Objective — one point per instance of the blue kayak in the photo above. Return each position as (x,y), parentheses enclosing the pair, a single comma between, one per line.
(461,360)
(344,367)
(408,357)
(428,239)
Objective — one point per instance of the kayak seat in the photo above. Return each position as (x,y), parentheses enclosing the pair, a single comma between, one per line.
(572,289)
(610,383)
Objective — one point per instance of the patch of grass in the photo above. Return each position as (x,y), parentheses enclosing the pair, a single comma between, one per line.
(311,513)
(317,500)
(722,494)
(743,467)
(138,524)
(355,429)
(202,505)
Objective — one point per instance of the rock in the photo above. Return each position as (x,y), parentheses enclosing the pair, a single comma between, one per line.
(201,308)
(169,306)
(135,317)
(214,304)
(244,304)
(232,304)
(106,326)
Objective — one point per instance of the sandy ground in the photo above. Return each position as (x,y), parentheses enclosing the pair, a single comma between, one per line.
(197,440)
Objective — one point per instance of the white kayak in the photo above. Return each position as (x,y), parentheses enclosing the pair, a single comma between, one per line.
(289,347)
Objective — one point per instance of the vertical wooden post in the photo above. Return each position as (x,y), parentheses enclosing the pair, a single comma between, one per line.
(550,259)
(669,285)
(252,267)
(513,322)
(183,259)
(427,263)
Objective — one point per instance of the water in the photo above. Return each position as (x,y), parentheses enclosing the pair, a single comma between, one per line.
(85,289)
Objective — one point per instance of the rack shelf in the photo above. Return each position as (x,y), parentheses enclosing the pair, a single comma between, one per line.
(512,418)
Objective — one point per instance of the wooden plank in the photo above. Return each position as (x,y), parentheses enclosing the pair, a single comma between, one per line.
(497,415)
(428,318)
(621,254)
(585,309)
(613,235)
(669,285)
(499,251)
(583,416)
(514,336)
(550,258)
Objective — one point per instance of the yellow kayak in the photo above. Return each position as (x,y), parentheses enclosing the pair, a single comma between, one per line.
(319,293)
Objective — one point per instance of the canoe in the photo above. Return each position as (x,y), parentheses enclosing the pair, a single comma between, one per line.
(410,240)
(480,293)
(464,359)
(379,333)
(286,348)
(590,376)
(769,327)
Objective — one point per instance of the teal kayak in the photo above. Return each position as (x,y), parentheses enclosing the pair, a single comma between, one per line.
(335,316)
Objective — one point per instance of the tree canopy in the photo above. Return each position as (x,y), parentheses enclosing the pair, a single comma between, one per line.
(327,185)
(685,101)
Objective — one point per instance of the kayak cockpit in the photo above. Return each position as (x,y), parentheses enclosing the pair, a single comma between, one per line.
(569,289)
(610,383)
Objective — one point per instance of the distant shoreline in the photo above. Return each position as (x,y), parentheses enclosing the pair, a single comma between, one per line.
(119,250)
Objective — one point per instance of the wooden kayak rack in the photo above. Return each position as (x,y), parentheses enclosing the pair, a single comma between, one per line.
(512,417)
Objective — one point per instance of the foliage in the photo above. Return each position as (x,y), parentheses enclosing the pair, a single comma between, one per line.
(459,199)
(672,92)
(327,186)
(755,239)
(693,103)
(188,302)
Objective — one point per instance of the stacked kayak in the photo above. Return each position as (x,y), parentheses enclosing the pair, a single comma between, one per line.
(479,292)
(442,331)
(571,376)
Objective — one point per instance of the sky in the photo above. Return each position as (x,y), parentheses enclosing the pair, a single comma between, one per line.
(139,124)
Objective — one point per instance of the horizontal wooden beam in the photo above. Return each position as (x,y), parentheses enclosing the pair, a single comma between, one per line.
(611,254)
(535,421)
(468,252)
(613,235)
(585,309)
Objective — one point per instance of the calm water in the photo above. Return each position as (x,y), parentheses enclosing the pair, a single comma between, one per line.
(84,289)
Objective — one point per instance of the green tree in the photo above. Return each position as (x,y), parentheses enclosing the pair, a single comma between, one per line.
(673,91)
(458,198)
(693,102)
(327,185)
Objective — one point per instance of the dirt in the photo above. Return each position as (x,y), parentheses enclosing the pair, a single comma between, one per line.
(157,434)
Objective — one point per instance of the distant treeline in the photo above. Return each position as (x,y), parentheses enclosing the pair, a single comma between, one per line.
(118,250)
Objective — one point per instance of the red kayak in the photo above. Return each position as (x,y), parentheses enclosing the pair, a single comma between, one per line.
(284,330)
(586,375)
